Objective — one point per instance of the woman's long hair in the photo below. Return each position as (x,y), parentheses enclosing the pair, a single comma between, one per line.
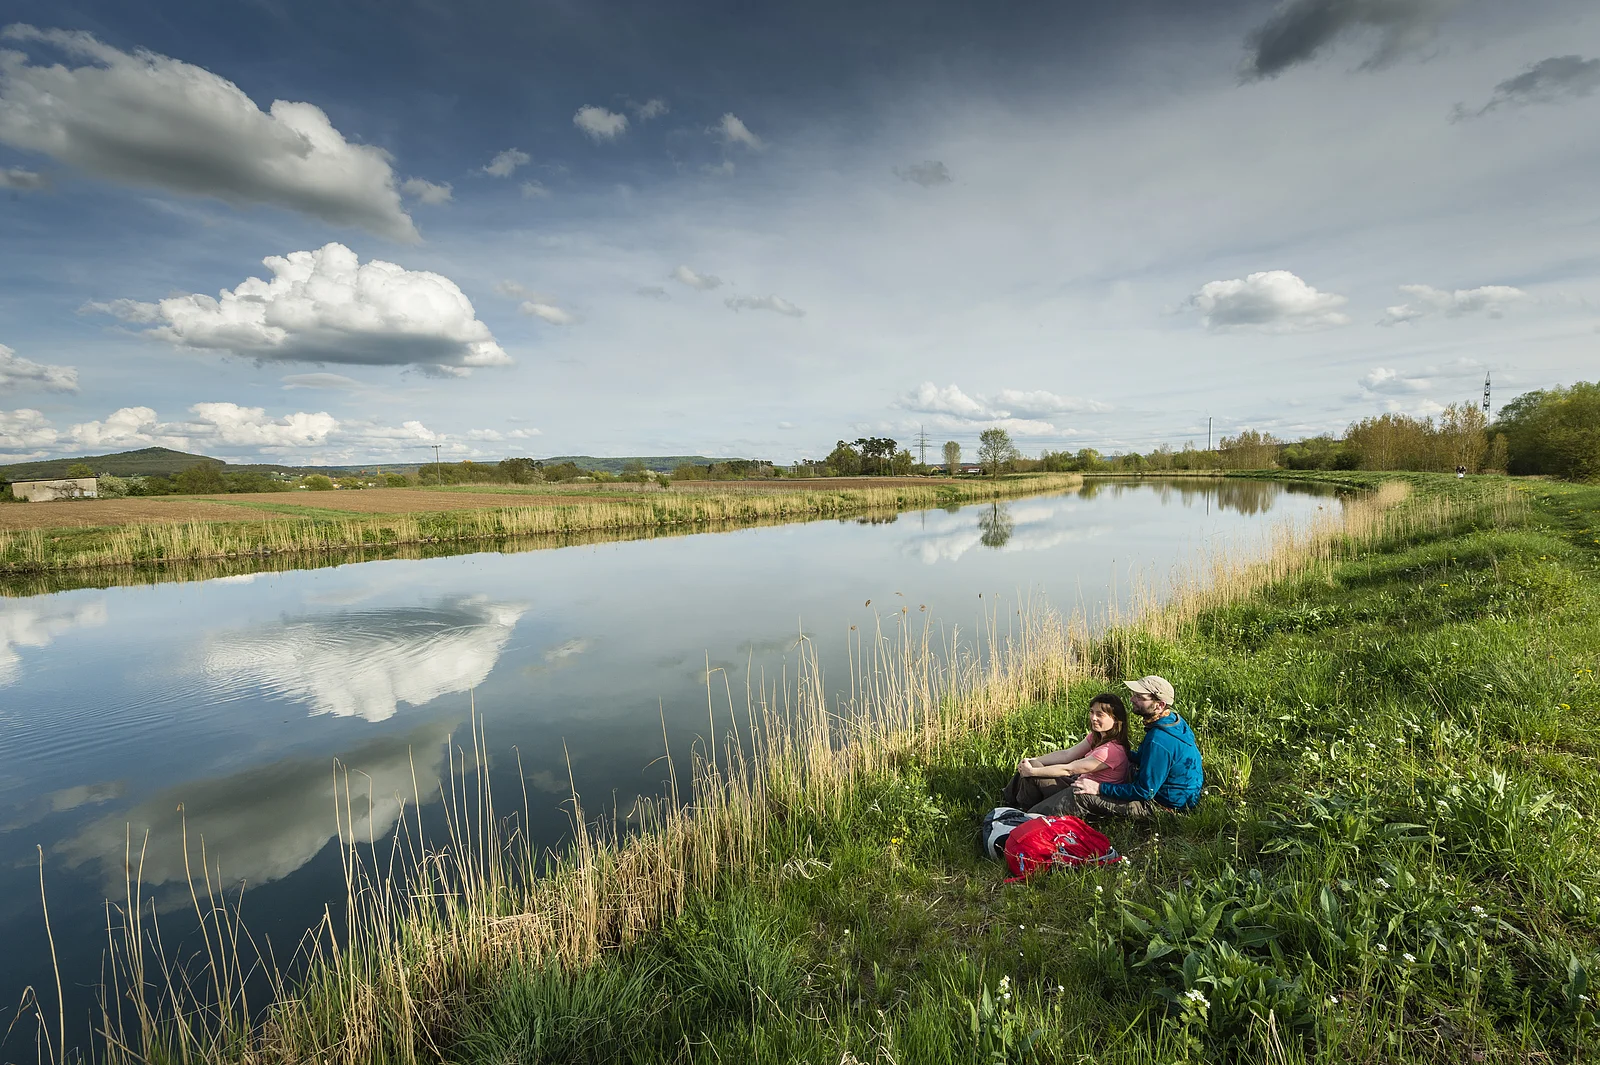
(1119,713)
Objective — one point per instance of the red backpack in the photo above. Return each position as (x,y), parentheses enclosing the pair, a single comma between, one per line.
(1055,842)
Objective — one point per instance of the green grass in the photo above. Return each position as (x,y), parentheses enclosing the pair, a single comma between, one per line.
(1402,760)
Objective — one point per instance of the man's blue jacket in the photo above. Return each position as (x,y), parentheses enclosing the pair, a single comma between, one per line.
(1168,770)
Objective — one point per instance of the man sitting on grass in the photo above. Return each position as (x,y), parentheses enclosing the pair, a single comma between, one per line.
(1167,777)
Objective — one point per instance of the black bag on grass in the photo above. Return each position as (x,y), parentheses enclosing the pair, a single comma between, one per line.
(994,829)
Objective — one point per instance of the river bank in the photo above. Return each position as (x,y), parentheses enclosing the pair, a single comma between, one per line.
(311,531)
(1392,862)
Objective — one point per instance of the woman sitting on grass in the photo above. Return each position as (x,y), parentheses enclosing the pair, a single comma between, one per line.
(1101,755)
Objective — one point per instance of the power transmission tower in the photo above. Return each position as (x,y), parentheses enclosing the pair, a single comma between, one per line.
(1485,395)
(922,446)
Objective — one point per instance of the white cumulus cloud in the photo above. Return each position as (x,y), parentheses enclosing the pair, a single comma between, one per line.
(504,164)
(599,124)
(652,108)
(732,130)
(326,306)
(147,119)
(1270,301)
(426,191)
(218,425)
(704,282)
(1425,300)
(24,432)
(776,304)
(17,373)
(1026,412)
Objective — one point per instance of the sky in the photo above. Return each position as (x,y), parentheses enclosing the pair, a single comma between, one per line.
(332,233)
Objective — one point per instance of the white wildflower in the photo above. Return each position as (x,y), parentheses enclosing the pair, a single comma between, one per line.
(1005,983)
(1382,949)
(1333,1000)
(1478,911)
(1381,882)
(1411,959)
(1196,997)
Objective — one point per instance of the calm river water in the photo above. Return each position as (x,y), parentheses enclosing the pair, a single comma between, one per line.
(233,697)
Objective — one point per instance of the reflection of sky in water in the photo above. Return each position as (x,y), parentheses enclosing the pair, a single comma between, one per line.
(365,663)
(30,623)
(233,697)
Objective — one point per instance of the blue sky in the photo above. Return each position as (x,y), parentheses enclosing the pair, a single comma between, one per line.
(346,232)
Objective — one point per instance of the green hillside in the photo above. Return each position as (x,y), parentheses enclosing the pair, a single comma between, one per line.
(163,461)
(141,463)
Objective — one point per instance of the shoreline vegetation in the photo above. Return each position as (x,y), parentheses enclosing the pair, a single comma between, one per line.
(39,551)
(1394,860)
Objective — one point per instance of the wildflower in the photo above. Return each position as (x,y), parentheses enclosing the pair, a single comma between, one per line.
(1381,882)
(1005,983)
(1098,890)
(1478,911)
(1060,989)
(1333,1000)
(1196,997)
(1411,959)
(1382,949)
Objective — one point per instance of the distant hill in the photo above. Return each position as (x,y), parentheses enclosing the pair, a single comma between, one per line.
(163,461)
(141,463)
(660,463)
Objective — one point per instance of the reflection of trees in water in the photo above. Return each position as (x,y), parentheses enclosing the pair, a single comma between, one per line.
(1224,493)
(996,525)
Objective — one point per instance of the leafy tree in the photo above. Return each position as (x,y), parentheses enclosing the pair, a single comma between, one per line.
(201,478)
(80,469)
(318,482)
(111,487)
(518,470)
(633,470)
(844,460)
(396,480)
(688,471)
(952,457)
(877,454)
(996,452)
(1250,450)
(1554,431)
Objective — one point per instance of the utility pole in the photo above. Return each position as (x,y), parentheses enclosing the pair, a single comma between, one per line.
(1208,432)
(1486,395)
(438,470)
(922,446)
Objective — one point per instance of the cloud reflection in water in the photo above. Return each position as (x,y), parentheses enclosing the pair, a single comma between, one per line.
(37,623)
(265,822)
(365,663)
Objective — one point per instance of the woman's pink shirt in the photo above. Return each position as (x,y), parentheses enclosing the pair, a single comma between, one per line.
(1115,756)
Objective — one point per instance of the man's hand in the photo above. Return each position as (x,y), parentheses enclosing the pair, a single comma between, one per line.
(1085,786)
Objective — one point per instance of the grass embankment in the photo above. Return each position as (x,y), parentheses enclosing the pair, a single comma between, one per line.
(1395,860)
(43,550)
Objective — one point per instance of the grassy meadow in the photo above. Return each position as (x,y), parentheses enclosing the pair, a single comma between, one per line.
(1395,860)
(301,527)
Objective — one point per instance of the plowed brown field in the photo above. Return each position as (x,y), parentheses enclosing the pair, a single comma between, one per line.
(142,511)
